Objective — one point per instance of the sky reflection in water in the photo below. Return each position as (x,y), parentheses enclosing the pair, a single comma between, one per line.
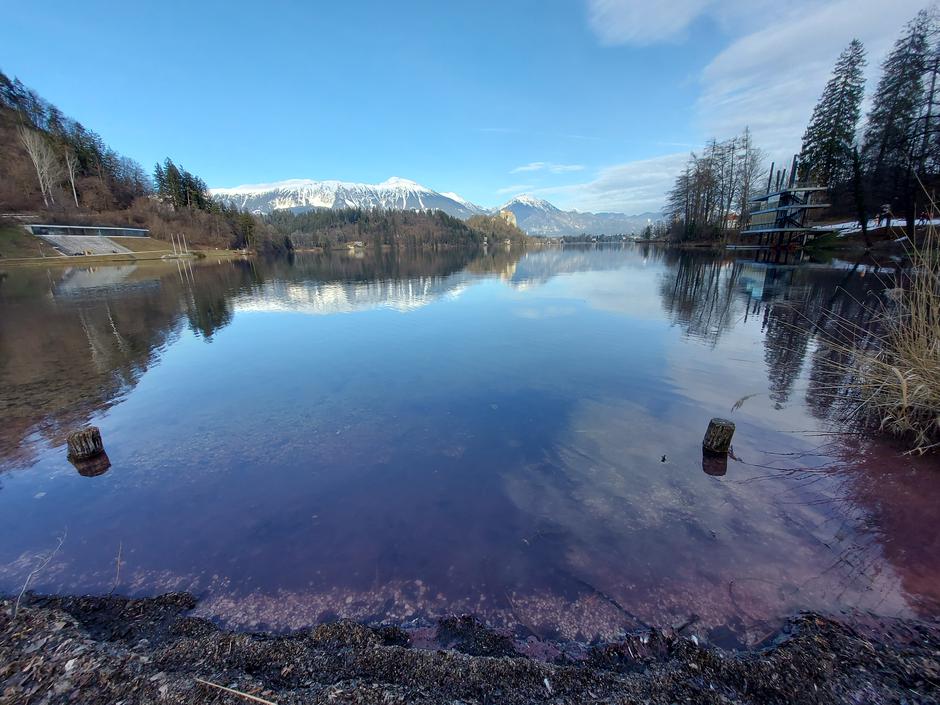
(413,436)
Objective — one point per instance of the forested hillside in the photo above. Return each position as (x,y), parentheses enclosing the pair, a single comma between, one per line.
(389,228)
(53,166)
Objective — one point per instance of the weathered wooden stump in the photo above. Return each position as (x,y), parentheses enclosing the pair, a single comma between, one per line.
(85,444)
(717,439)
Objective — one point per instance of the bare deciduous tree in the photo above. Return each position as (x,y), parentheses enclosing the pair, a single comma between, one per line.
(41,153)
(750,174)
(715,186)
(71,166)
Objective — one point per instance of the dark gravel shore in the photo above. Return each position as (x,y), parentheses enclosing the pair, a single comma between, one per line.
(116,650)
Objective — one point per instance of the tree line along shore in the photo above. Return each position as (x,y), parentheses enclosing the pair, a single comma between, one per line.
(885,166)
(58,171)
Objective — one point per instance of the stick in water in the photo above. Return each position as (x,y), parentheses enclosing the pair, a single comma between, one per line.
(117,568)
(34,571)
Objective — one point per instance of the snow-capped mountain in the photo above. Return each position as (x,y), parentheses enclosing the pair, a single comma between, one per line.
(534,215)
(539,217)
(303,194)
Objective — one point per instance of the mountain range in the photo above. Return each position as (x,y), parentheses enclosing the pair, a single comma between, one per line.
(534,215)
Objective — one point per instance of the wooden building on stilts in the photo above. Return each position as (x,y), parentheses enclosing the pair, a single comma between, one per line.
(779,217)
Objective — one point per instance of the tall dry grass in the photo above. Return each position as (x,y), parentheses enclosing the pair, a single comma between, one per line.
(890,371)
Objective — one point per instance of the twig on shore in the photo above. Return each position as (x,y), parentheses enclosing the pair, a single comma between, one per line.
(255,698)
(37,569)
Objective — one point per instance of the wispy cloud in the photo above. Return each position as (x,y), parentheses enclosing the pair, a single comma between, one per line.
(642,22)
(631,187)
(549,167)
(771,73)
(514,189)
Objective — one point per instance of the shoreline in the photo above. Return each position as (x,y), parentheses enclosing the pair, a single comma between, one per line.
(119,258)
(109,649)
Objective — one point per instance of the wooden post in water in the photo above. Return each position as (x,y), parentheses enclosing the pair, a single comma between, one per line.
(717,439)
(85,444)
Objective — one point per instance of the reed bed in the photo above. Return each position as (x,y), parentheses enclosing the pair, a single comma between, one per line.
(888,367)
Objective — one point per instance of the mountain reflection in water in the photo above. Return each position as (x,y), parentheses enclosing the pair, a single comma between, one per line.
(403,436)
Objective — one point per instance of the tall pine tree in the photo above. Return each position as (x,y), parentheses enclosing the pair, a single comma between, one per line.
(891,136)
(826,157)
(927,140)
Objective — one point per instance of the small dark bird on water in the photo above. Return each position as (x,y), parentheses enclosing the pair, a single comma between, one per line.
(663,459)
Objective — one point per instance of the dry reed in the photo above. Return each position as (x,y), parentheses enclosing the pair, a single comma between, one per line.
(889,369)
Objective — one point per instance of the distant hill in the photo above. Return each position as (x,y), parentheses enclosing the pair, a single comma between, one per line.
(539,217)
(328,227)
(533,215)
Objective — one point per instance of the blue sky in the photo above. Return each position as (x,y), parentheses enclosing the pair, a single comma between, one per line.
(592,104)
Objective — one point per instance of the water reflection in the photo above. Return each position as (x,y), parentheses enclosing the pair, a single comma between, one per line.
(73,341)
(707,295)
(716,466)
(92,467)
(405,435)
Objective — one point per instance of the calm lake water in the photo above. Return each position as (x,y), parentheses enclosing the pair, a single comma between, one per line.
(404,437)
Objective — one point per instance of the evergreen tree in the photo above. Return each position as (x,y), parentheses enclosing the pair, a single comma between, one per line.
(159,180)
(891,134)
(826,156)
(927,142)
(174,184)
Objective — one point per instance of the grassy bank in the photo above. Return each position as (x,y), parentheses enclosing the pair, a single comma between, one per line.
(120,258)
(15,242)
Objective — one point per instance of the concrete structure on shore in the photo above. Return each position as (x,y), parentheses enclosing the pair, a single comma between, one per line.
(84,239)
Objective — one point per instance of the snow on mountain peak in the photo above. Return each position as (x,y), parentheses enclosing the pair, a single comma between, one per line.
(287,184)
(395,193)
(399,182)
(457,197)
(534,215)
(525,199)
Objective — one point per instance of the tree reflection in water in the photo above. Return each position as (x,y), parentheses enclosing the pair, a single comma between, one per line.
(74,340)
(519,411)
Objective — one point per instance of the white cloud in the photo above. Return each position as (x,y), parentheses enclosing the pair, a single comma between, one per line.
(770,78)
(549,167)
(767,78)
(633,187)
(778,60)
(642,21)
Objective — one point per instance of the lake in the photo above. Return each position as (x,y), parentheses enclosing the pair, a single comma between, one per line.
(399,437)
